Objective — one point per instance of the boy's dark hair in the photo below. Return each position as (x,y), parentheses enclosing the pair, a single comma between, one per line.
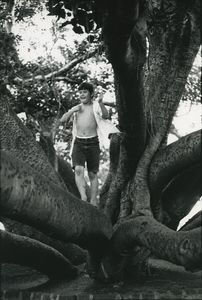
(86,86)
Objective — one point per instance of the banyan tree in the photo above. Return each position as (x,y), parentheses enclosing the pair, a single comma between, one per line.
(150,187)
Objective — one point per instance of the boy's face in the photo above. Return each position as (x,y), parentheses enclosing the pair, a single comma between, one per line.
(85,96)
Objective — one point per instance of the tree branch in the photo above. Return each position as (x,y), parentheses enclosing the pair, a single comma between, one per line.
(53,75)
(50,208)
(169,161)
(70,251)
(28,252)
(64,78)
(181,248)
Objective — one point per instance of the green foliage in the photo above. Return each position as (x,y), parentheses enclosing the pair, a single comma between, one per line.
(50,98)
(81,14)
(26,9)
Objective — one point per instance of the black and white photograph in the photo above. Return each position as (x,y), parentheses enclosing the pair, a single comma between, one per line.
(100,137)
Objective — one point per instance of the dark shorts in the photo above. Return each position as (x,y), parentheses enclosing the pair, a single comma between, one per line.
(86,150)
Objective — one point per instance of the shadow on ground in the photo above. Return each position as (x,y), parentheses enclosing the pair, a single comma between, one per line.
(174,283)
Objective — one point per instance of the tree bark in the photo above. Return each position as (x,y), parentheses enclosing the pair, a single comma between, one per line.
(33,193)
(174,39)
(16,139)
(168,170)
(28,252)
(170,161)
(27,196)
(126,50)
(182,248)
(72,252)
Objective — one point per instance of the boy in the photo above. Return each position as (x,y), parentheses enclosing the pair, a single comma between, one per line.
(85,146)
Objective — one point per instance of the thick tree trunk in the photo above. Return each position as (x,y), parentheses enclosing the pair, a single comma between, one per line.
(170,71)
(28,197)
(126,50)
(16,139)
(32,191)
(172,49)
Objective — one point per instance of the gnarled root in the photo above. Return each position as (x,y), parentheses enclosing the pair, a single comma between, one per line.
(181,248)
(28,252)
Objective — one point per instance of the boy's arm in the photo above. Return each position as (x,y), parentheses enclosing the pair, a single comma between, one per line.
(105,114)
(66,117)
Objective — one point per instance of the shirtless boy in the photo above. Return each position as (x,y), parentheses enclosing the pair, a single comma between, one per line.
(86,148)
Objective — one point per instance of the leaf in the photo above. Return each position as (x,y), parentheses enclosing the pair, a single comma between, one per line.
(64,24)
(91,38)
(78,29)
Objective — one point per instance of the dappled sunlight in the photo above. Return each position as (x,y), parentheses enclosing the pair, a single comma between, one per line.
(186,120)
(38,38)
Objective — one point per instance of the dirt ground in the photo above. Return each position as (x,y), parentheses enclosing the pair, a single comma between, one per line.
(172,283)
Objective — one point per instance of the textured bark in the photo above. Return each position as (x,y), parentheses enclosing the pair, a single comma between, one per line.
(173,33)
(28,252)
(171,160)
(28,197)
(126,49)
(62,167)
(33,193)
(119,176)
(16,139)
(125,40)
(145,239)
(169,171)
(66,173)
(72,252)
(114,152)
(183,248)
(171,54)
(47,146)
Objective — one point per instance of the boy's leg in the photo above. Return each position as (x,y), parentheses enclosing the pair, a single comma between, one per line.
(78,161)
(80,181)
(93,159)
(94,187)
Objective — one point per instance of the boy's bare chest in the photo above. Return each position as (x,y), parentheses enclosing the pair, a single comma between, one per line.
(85,115)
